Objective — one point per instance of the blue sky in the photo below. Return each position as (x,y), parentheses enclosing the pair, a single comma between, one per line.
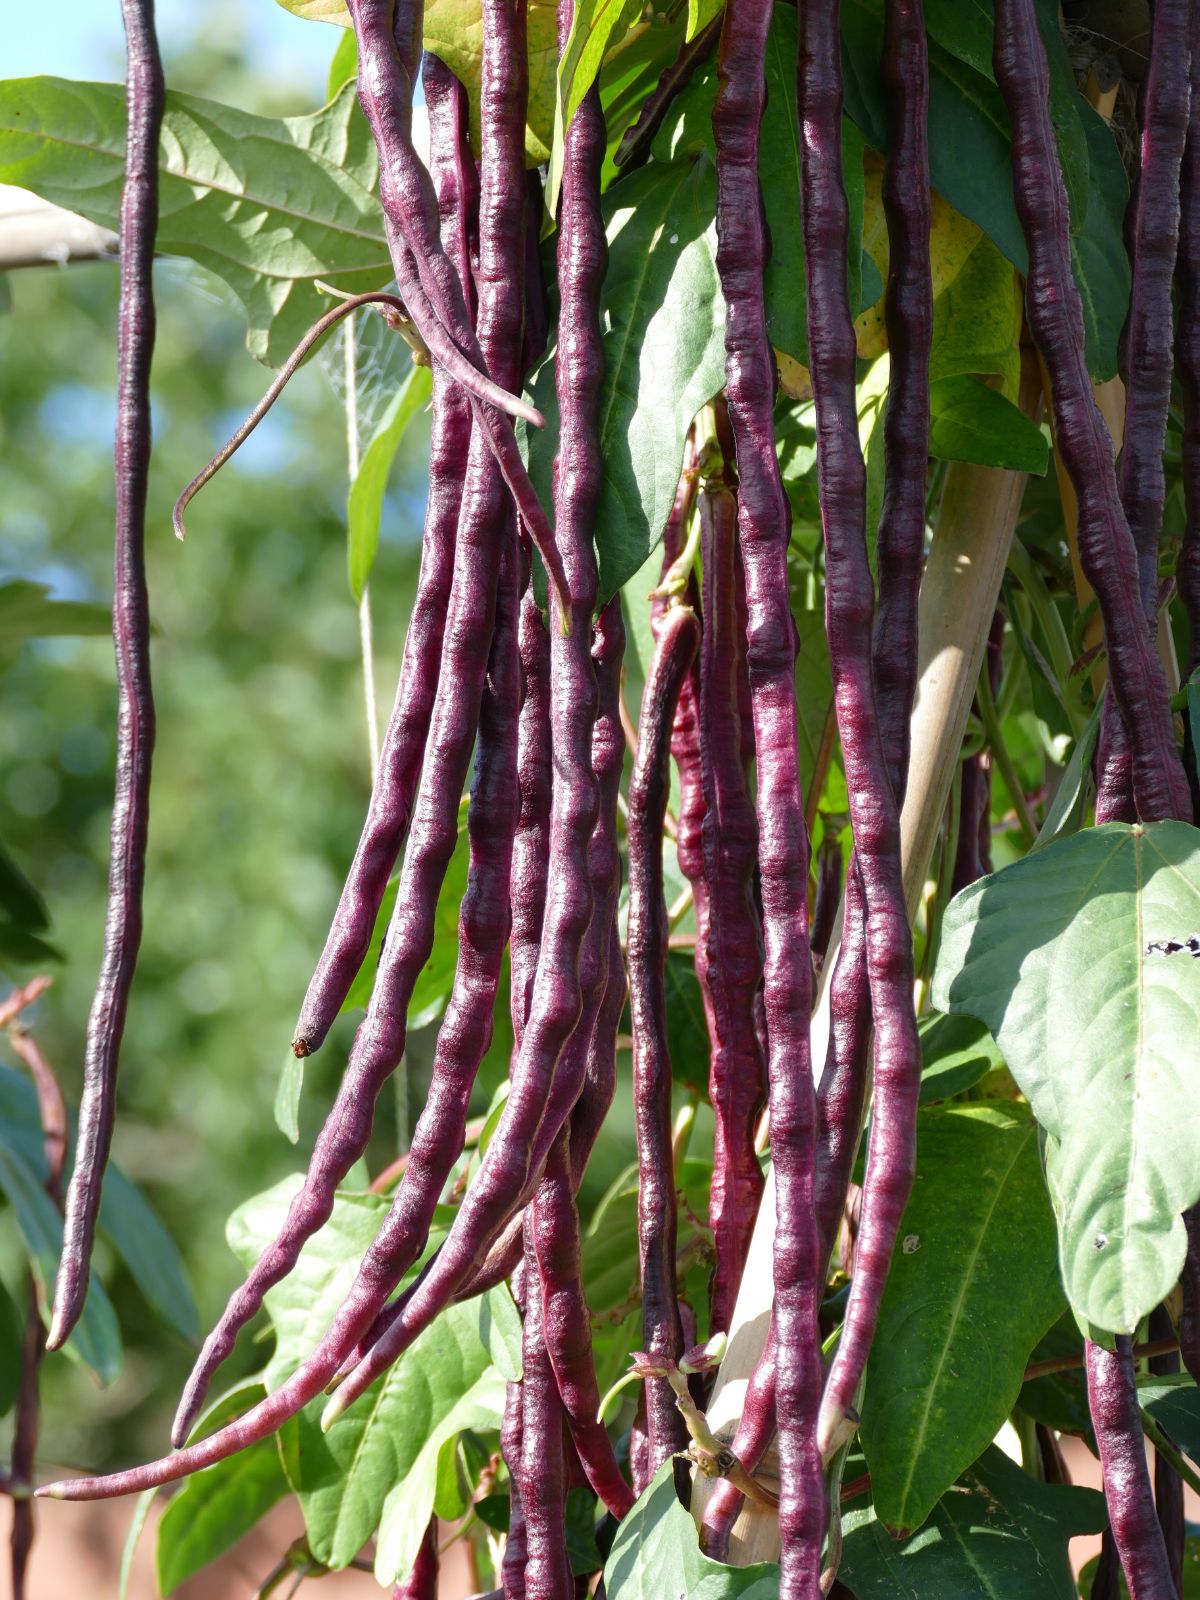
(83,38)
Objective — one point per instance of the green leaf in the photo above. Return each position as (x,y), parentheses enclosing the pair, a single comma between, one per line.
(269,205)
(972,1288)
(977,319)
(956,1052)
(609,1271)
(126,1218)
(1055,954)
(1174,1403)
(12,1332)
(96,1341)
(216,1507)
(656,1551)
(1070,798)
(700,14)
(343,69)
(687,1029)
(1193,711)
(288,1090)
(997,1535)
(664,357)
(432,988)
(377,1468)
(137,1523)
(28,612)
(364,505)
(1059,1399)
(1098,252)
(593,24)
(970,422)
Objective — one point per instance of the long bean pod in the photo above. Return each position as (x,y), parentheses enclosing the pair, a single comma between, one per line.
(485,527)
(900,545)
(513,1569)
(557,1000)
(646,945)
(849,607)
(1187,357)
(755,1430)
(729,944)
(145,93)
(456,185)
(543,1479)
(764,528)
(1113,1402)
(1056,321)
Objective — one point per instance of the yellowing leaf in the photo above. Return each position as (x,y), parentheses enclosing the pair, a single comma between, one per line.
(318,11)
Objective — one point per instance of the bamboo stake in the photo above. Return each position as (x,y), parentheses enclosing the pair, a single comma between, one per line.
(959,591)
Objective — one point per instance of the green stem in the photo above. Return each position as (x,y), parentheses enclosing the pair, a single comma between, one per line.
(1054,634)
(1169,1453)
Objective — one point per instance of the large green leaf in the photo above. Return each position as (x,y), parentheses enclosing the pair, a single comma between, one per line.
(269,205)
(972,1288)
(689,128)
(997,1535)
(656,1552)
(1174,1403)
(664,357)
(1056,954)
(377,1469)
(126,1218)
(970,422)
(96,1341)
(214,1508)
(364,504)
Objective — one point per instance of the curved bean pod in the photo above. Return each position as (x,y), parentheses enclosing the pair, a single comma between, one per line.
(543,1476)
(646,949)
(145,95)
(422,1581)
(1187,358)
(755,1430)
(729,944)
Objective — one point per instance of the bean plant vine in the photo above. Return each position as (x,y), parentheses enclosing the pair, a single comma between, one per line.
(783,832)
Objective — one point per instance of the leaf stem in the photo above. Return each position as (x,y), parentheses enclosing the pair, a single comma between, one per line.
(1053,1364)
(1008,771)
(366,633)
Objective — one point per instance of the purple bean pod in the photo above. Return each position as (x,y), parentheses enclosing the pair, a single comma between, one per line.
(1189,1320)
(509,1165)
(1168,1485)
(849,606)
(1056,322)
(422,1581)
(543,1478)
(486,528)
(586,1076)
(531,847)
(425,276)
(764,526)
(566,1325)
(145,94)
(827,898)
(456,184)
(513,1570)
(1187,358)
(1113,1402)
(755,1430)
(646,951)
(1152,240)
(900,544)
(1106,1580)
(729,958)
